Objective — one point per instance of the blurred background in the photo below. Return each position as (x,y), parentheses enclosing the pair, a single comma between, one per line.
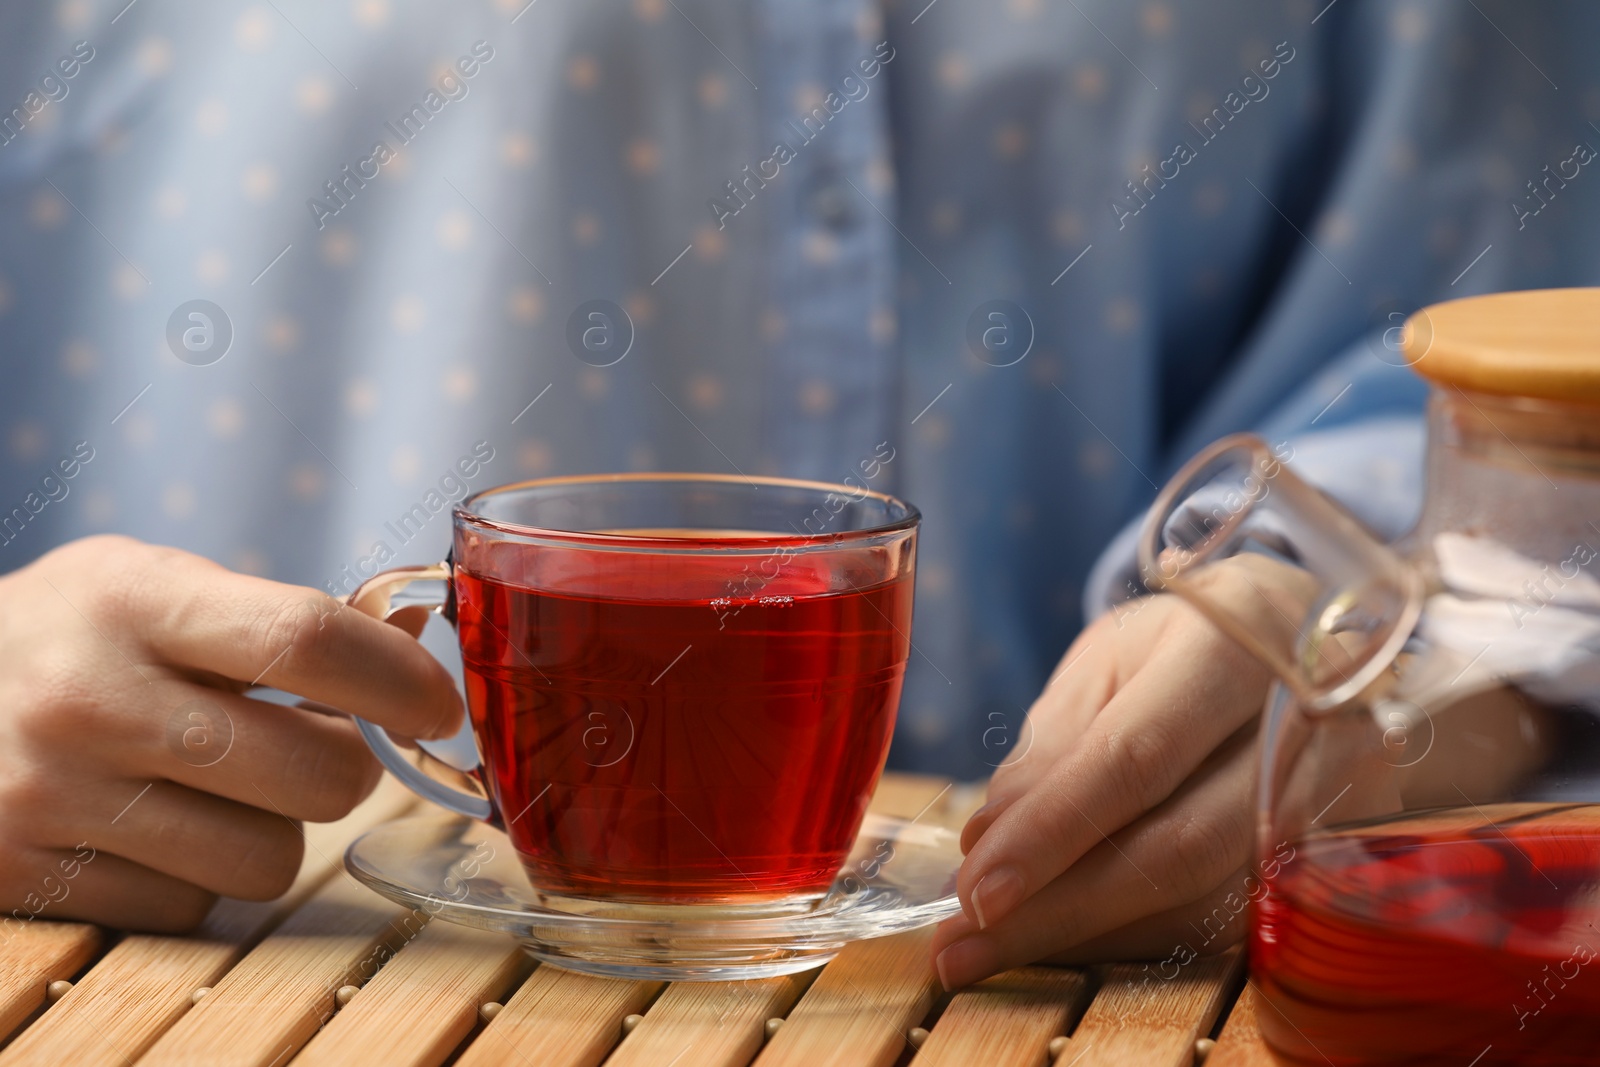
(268,270)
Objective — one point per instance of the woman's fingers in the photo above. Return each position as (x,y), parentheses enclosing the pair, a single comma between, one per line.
(86,883)
(292,761)
(1176,937)
(1078,687)
(205,618)
(1099,662)
(1195,691)
(1177,854)
(1076,691)
(217,845)
(978,822)
(127,738)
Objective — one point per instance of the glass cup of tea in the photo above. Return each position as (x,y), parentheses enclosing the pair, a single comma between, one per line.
(682,686)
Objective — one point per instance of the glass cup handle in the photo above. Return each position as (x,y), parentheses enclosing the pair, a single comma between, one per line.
(377,597)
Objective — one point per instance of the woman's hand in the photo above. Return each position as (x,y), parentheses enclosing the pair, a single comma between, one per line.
(1130,815)
(137,782)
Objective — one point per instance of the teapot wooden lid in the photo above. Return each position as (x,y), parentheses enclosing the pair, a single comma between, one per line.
(1540,342)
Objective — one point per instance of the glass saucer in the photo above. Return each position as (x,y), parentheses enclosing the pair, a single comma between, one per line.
(900,876)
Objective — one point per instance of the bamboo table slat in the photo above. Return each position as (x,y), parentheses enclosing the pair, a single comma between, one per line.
(862,1007)
(1240,1044)
(1007,1020)
(34,955)
(1141,1016)
(560,1019)
(431,994)
(280,994)
(722,1026)
(420,1006)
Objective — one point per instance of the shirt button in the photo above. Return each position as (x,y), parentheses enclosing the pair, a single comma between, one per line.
(831,201)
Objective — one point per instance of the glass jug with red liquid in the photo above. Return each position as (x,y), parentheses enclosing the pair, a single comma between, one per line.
(1430,772)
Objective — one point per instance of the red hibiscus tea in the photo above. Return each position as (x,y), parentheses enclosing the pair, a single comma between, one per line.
(685,716)
(1440,939)
(643,749)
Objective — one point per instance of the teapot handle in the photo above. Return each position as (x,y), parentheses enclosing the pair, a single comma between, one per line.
(1283,570)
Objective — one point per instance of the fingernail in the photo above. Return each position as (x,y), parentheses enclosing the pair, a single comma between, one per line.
(995,895)
(966,962)
(978,824)
(952,930)
(987,809)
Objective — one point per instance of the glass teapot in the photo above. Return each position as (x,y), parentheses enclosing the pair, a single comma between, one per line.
(1429,797)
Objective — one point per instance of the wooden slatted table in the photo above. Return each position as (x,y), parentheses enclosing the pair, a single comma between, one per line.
(331,973)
